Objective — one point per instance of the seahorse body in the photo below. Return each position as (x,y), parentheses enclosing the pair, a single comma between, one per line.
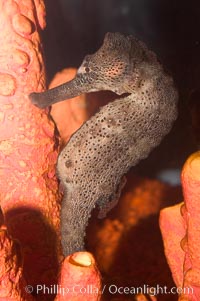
(122,133)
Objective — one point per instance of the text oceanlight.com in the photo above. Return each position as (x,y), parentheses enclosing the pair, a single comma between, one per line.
(113,289)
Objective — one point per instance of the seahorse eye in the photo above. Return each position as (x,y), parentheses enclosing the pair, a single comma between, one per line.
(87,69)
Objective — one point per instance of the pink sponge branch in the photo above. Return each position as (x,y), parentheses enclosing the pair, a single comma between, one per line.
(180,227)
(12,283)
(191,214)
(172,228)
(28,186)
(79,279)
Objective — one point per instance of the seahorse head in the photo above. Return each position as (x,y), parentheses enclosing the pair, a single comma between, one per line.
(112,66)
(118,66)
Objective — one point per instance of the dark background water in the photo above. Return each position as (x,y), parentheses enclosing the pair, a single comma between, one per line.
(169,27)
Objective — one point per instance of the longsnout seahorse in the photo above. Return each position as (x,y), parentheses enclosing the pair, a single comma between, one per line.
(123,132)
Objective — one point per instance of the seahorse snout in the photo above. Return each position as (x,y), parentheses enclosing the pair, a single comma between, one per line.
(68,90)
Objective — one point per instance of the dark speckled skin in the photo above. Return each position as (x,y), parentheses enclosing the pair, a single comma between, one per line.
(122,133)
